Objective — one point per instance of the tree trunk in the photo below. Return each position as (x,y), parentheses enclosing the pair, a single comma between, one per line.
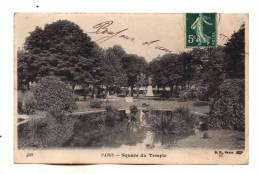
(98,91)
(28,86)
(73,86)
(158,88)
(171,91)
(176,88)
(94,92)
(106,92)
(132,90)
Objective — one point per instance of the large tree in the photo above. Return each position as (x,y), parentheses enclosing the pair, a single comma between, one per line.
(156,74)
(235,54)
(207,68)
(115,74)
(188,67)
(60,48)
(61,36)
(173,70)
(212,73)
(169,71)
(135,67)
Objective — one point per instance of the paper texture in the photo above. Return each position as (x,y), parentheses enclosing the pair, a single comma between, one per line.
(131,88)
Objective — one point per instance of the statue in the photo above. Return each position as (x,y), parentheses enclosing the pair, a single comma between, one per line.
(149,92)
(198,26)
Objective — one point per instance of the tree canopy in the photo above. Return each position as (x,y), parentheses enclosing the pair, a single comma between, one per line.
(62,49)
(235,54)
(134,66)
(202,66)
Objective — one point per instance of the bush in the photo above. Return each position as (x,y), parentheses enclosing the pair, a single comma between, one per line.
(29,104)
(178,122)
(95,103)
(26,103)
(20,105)
(227,108)
(112,115)
(202,93)
(187,94)
(46,132)
(133,109)
(54,96)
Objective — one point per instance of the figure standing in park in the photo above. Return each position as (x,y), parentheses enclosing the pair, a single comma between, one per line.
(132,120)
(203,126)
(198,26)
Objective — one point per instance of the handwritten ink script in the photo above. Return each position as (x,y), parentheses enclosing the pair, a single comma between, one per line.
(103,29)
(107,33)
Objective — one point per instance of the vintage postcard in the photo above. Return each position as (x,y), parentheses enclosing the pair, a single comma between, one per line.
(131,88)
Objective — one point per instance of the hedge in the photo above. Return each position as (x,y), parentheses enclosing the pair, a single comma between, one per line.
(227,107)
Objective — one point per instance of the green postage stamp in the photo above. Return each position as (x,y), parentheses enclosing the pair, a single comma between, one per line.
(201,30)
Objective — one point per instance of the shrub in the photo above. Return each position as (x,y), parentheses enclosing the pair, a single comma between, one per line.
(112,115)
(202,93)
(184,115)
(29,103)
(20,105)
(187,94)
(165,94)
(178,122)
(133,109)
(54,96)
(46,132)
(95,103)
(227,107)
(26,103)
(110,108)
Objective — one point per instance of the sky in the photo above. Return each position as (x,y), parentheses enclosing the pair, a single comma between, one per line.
(166,30)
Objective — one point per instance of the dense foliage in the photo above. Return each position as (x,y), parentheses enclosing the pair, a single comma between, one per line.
(200,68)
(227,108)
(177,122)
(45,132)
(95,103)
(134,66)
(53,96)
(235,54)
(26,103)
(62,49)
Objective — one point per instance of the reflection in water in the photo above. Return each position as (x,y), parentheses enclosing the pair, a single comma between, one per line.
(140,129)
(154,137)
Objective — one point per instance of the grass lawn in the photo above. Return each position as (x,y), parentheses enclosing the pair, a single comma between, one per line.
(218,139)
(120,103)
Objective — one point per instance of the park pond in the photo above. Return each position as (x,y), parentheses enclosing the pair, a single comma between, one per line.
(113,128)
(147,129)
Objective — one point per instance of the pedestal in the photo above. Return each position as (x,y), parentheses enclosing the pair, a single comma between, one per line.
(129,99)
(149,92)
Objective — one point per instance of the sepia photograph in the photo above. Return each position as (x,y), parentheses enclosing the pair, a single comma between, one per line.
(131,88)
